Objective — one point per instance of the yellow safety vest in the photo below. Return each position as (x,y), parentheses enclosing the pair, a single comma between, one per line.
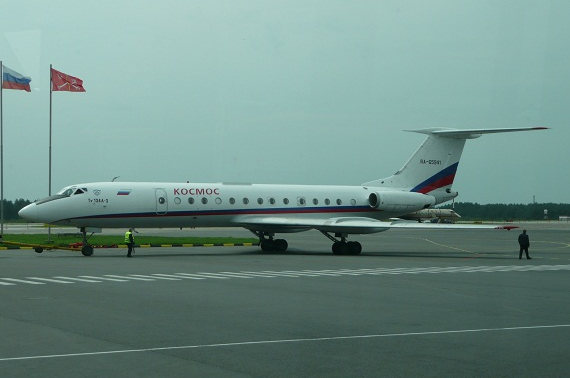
(128,237)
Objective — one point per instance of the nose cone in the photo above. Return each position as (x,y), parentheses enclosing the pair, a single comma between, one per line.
(29,213)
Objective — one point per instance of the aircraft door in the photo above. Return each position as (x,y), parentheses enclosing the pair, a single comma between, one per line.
(161,201)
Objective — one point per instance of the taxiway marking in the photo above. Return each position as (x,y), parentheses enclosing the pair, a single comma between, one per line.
(284,341)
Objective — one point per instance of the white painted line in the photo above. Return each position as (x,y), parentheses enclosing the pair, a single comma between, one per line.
(213,275)
(258,274)
(321,272)
(48,280)
(128,278)
(23,281)
(192,276)
(154,277)
(278,274)
(236,275)
(6,283)
(284,341)
(105,278)
(76,279)
(170,276)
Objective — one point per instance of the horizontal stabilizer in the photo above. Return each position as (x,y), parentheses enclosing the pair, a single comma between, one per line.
(471,133)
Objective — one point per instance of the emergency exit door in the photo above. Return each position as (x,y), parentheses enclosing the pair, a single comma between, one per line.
(161,201)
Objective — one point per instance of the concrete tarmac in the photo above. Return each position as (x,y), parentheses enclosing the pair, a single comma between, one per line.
(421,303)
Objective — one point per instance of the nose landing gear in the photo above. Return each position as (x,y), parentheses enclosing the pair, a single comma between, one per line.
(87,249)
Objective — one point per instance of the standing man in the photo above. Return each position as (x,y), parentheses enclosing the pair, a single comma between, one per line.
(130,241)
(524,243)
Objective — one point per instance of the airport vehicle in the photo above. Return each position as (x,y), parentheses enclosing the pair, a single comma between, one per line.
(433,215)
(336,211)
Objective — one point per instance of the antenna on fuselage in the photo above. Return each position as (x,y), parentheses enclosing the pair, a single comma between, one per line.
(114,178)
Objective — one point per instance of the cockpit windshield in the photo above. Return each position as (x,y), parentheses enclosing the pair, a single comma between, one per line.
(63,193)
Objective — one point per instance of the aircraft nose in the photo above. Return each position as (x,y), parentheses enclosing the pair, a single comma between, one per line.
(29,212)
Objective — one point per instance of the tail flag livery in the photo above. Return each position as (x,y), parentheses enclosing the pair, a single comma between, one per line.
(432,168)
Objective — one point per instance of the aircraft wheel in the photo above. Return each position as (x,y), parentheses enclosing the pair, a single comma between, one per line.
(280,245)
(38,249)
(354,248)
(267,245)
(87,250)
(339,248)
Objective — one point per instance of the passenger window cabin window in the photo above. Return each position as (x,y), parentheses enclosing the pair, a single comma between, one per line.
(315,201)
(260,201)
(339,201)
(327,201)
(232,200)
(272,201)
(353,202)
(191,200)
(286,201)
(245,200)
(204,200)
(218,200)
(177,200)
(301,201)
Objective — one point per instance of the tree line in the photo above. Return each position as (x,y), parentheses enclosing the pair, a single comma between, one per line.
(509,212)
(11,208)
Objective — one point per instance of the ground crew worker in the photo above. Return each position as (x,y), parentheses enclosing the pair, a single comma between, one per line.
(524,243)
(129,241)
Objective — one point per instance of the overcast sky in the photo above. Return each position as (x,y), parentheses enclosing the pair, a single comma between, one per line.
(292,92)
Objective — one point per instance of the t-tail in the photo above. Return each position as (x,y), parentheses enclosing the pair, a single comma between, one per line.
(432,168)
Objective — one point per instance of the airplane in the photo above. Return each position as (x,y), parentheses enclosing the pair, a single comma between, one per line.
(424,181)
(432,214)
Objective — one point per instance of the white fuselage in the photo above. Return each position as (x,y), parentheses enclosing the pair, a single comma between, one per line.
(206,205)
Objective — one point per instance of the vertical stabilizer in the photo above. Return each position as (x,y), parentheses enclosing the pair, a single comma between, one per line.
(432,168)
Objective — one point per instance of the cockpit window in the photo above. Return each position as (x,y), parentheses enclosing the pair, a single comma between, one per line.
(79,191)
(64,193)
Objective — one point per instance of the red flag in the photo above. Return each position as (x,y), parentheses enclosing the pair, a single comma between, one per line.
(63,82)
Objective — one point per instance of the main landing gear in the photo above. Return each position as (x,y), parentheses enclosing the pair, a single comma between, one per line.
(87,249)
(268,244)
(342,247)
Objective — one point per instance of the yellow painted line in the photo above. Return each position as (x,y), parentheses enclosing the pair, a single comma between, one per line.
(247,244)
(166,245)
(3,247)
(144,246)
(188,245)
(208,245)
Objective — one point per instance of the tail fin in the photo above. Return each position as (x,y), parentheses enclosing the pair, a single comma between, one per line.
(431,169)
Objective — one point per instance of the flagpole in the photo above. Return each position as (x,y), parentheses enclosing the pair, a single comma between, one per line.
(1,152)
(49,174)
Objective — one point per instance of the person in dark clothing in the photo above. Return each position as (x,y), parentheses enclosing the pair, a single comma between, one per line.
(130,241)
(524,243)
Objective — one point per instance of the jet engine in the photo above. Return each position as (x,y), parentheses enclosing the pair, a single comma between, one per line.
(400,201)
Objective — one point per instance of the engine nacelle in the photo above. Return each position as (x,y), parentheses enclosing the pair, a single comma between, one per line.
(396,201)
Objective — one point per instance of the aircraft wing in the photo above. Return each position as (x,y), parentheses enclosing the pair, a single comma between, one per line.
(348,225)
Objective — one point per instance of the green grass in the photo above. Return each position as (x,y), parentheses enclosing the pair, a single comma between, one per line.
(65,240)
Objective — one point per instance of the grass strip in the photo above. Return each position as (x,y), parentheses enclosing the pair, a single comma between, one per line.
(66,240)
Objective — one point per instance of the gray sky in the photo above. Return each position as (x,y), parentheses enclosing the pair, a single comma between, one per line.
(292,92)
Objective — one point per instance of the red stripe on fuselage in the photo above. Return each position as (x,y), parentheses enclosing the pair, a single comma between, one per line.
(448,180)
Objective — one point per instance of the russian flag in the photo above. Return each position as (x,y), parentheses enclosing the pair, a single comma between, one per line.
(124,192)
(13,80)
